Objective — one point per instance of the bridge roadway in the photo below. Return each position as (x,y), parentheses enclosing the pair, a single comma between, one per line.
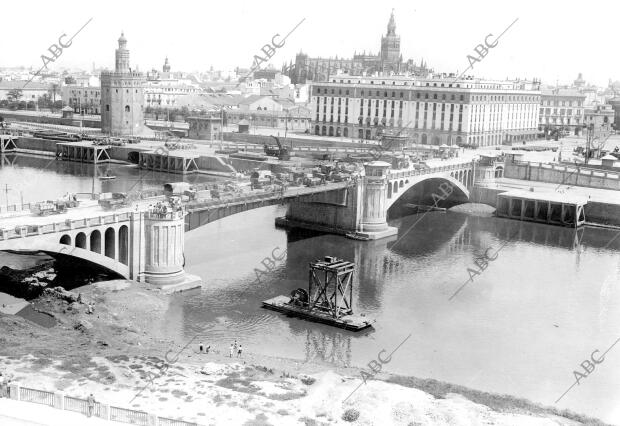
(89,210)
(141,242)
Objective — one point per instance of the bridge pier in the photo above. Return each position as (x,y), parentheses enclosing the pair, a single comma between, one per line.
(164,242)
(374,208)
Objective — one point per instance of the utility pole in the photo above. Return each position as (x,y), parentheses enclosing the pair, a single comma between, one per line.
(221,125)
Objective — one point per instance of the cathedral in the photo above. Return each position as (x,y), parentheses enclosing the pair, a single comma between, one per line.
(122,96)
(388,61)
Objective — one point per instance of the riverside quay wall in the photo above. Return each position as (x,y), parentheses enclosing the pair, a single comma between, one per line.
(596,212)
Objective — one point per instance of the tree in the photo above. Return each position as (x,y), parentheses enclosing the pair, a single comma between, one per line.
(184,112)
(44,101)
(52,92)
(14,94)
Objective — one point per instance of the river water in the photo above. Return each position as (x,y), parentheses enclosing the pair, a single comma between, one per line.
(520,327)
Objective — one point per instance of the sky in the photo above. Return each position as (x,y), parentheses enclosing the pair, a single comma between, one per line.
(551,40)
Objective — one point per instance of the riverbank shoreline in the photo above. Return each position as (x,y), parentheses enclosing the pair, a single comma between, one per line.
(119,349)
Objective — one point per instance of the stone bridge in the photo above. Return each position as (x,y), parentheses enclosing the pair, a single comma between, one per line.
(145,243)
(363,209)
(137,242)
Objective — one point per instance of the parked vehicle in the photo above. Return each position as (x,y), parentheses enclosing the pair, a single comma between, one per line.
(114,200)
(45,208)
(277,151)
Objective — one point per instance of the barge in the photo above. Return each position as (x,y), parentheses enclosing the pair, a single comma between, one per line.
(327,301)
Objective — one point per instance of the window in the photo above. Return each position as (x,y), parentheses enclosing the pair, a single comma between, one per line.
(107,107)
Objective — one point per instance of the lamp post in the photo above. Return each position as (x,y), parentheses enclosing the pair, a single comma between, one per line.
(6,192)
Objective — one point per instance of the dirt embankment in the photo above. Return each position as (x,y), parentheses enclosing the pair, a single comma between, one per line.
(118,353)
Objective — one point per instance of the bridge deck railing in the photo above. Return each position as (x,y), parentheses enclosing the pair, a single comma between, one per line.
(263,196)
(569,169)
(26,230)
(426,171)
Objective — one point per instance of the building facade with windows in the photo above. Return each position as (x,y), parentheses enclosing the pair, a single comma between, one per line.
(438,110)
(562,109)
(83,99)
(164,89)
(599,118)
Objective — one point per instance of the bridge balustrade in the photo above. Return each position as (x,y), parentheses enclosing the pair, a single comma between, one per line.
(168,215)
(29,230)
(581,170)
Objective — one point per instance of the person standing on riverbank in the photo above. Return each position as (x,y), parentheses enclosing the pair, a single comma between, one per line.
(91,404)
(239,352)
(231,350)
(3,387)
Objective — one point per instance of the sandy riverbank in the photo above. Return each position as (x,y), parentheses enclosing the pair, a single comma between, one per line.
(119,349)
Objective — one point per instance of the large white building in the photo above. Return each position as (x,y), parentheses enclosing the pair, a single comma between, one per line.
(562,108)
(437,110)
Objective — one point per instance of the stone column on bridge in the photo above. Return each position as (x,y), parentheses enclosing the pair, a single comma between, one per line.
(164,242)
(374,208)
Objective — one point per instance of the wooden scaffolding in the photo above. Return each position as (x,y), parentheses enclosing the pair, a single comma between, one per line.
(333,294)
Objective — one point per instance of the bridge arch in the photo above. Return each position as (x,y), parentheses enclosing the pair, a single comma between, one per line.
(80,240)
(133,157)
(123,244)
(110,243)
(460,192)
(65,239)
(95,241)
(54,249)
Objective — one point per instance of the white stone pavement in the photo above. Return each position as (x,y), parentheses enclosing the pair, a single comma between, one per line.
(19,413)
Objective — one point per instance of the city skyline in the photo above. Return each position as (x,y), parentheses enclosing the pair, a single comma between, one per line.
(443,40)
